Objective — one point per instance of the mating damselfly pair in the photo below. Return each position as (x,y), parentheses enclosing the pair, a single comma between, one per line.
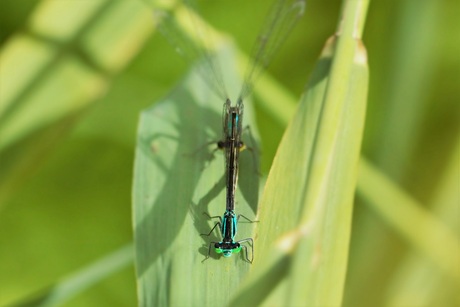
(193,44)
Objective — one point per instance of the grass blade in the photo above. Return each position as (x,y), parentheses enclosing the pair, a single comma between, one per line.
(319,265)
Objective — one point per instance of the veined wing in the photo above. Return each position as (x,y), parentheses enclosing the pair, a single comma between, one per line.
(281,19)
(193,39)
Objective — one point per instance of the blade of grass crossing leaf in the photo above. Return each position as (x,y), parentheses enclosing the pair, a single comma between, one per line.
(263,284)
(319,265)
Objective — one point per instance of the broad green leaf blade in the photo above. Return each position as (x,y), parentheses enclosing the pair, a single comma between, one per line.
(319,267)
(176,179)
(83,279)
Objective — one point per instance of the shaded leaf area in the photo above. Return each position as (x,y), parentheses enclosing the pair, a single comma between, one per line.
(178,176)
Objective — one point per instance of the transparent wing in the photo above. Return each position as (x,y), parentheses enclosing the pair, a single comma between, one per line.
(282,17)
(191,38)
(186,32)
(225,115)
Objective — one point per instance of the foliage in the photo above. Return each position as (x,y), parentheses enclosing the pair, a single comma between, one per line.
(74,79)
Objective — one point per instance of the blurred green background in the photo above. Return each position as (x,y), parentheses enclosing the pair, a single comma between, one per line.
(74,76)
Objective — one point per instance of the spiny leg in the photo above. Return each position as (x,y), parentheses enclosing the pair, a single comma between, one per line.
(250,221)
(213,217)
(203,234)
(209,251)
(245,248)
(246,251)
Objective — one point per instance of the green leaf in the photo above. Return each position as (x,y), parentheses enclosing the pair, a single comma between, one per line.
(319,267)
(176,179)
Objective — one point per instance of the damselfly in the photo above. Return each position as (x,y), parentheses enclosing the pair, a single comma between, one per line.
(279,22)
(228,225)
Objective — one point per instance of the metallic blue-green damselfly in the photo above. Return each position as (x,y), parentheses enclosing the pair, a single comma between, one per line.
(228,225)
(279,22)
